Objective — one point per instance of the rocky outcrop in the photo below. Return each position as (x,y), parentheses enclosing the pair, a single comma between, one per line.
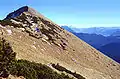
(36,26)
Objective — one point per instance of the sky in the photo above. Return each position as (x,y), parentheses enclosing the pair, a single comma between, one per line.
(76,13)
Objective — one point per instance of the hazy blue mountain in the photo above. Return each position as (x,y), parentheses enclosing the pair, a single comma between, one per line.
(67,28)
(116,33)
(105,31)
(96,40)
(112,50)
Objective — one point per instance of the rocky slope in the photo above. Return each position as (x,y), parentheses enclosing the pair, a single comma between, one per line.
(36,38)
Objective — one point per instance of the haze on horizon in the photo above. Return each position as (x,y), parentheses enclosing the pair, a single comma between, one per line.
(76,13)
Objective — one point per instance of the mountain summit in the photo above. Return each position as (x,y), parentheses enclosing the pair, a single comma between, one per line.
(36,25)
(36,38)
(21,10)
(26,9)
(17,12)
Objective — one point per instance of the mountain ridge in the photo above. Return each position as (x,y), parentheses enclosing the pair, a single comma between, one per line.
(56,45)
(27,9)
(105,31)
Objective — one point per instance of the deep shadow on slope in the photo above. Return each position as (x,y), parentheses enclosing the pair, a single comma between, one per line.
(112,50)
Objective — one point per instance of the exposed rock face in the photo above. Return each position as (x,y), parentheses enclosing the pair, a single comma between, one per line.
(52,44)
(17,12)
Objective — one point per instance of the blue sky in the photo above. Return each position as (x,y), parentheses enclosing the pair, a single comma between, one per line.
(78,13)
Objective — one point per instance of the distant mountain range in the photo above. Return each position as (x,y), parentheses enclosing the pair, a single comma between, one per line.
(96,40)
(104,39)
(105,31)
(68,29)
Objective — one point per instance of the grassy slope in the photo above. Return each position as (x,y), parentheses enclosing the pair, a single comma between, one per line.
(88,61)
(30,70)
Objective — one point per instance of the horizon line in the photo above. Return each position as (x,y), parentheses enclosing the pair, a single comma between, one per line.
(90,25)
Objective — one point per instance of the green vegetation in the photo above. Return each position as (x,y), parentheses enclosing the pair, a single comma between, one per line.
(35,19)
(8,22)
(30,70)
(60,68)
(6,57)
(5,22)
(23,19)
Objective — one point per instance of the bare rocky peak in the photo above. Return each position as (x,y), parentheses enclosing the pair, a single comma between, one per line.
(27,9)
(17,12)
(36,25)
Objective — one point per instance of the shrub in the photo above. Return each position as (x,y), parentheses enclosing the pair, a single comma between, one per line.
(35,19)
(60,68)
(32,70)
(6,56)
(5,22)
(8,22)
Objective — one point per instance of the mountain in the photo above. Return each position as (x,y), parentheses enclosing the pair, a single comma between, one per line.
(35,38)
(68,29)
(116,33)
(96,40)
(105,31)
(112,50)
